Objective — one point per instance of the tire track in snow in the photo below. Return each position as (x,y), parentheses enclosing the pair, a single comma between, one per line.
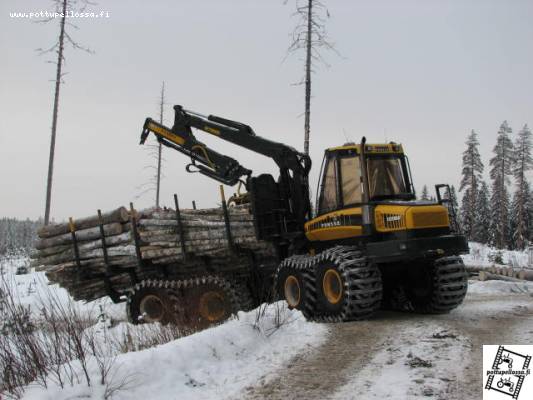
(371,359)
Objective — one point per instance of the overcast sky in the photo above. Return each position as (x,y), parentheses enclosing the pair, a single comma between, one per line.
(423,73)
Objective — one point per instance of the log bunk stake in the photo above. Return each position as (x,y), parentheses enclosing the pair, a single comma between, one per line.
(180,228)
(75,246)
(110,270)
(231,243)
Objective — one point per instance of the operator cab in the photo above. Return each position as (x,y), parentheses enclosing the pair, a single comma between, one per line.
(341,183)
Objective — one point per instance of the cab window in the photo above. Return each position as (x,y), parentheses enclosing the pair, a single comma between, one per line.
(328,190)
(350,180)
(386,177)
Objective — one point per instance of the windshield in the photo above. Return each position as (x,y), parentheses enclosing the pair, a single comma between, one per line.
(385,177)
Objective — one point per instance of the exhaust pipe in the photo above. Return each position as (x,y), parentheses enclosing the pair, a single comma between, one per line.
(366,211)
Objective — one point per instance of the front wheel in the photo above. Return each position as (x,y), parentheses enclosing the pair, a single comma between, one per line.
(437,287)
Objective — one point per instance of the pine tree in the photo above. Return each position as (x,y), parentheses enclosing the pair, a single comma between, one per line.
(520,207)
(425,194)
(530,215)
(500,171)
(472,170)
(483,213)
(453,197)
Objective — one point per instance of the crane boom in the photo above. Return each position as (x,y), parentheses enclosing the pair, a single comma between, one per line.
(281,208)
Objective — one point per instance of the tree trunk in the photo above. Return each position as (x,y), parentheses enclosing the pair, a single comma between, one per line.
(309,43)
(160,147)
(54,116)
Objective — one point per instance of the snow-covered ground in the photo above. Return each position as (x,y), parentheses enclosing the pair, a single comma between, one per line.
(441,357)
(410,356)
(482,255)
(216,363)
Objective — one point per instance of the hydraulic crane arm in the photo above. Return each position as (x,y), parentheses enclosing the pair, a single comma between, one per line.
(203,160)
(215,165)
(289,197)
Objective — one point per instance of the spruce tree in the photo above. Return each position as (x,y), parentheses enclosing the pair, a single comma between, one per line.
(520,222)
(500,171)
(453,198)
(472,170)
(425,194)
(483,214)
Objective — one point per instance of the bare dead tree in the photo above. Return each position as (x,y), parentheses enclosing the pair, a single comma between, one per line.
(160,147)
(62,7)
(155,152)
(310,36)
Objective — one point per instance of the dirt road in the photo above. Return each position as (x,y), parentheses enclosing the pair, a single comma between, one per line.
(403,356)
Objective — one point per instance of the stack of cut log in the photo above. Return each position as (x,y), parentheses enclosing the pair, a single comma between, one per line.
(505,273)
(158,238)
(204,234)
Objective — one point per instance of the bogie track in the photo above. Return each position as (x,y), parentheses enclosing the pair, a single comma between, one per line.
(192,304)
(340,284)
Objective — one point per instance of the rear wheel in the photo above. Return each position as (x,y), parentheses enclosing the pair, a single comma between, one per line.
(202,302)
(330,288)
(150,304)
(438,287)
(291,287)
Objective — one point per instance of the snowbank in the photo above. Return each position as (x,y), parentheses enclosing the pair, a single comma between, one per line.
(217,363)
(499,287)
(33,286)
(480,256)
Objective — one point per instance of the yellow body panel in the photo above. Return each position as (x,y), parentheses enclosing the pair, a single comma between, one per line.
(343,224)
(396,217)
(335,225)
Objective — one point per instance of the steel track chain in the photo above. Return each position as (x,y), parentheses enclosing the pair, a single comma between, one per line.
(172,286)
(363,287)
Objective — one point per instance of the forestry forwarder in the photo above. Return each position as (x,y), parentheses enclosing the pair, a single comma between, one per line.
(370,244)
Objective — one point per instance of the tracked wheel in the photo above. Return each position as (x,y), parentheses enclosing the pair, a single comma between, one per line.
(438,287)
(150,303)
(204,301)
(191,304)
(291,287)
(294,282)
(348,286)
(339,284)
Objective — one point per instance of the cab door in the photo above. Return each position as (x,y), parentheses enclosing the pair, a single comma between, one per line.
(339,198)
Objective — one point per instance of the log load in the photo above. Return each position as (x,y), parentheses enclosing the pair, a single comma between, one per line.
(140,243)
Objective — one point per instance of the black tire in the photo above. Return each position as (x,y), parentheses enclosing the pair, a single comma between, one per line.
(362,287)
(290,286)
(330,287)
(150,304)
(208,304)
(437,287)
